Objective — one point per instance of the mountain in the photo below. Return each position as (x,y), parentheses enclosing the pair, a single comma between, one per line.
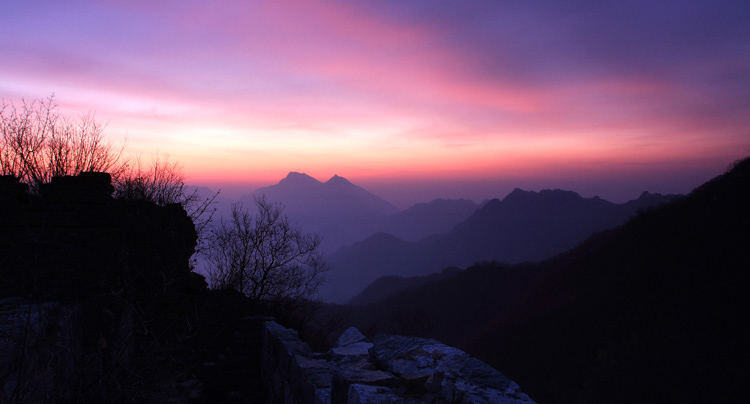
(305,195)
(524,226)
(529,226)
(370,256)
(454,306)
(390,285)
(344,213)
(338,210)
(427,219)
(653,311)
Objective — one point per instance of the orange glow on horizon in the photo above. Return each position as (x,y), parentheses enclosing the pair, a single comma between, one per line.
(376,91)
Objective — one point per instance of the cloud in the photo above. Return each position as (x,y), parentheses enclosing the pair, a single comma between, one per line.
(546,80)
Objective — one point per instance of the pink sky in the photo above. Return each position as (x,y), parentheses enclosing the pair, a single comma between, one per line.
(413,100)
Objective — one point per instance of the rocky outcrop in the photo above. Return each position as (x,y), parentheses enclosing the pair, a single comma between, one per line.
(439,373)
(391,369)
(92,289)
(74,240)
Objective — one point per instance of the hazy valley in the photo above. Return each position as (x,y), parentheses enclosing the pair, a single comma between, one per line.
(367,238)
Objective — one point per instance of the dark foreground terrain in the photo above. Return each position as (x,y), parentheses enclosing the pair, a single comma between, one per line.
(98,303)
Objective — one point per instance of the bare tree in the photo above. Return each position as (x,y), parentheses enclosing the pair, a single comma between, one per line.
(37,144)
(264,256)
(163,183)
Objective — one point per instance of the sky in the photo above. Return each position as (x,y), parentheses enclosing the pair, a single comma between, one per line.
(413,100)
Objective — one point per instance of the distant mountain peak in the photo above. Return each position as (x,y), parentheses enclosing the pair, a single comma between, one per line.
(295,174)
(521,195)
(655,199)
(560,193)
(336,179)
(294,178)
(518,194)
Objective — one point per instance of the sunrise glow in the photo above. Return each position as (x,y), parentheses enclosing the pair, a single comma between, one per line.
(386,93)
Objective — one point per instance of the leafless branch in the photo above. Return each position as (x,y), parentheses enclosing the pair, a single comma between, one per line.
(264,256)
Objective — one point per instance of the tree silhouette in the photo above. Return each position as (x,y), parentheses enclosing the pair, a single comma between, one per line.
(163,183)
(37,143)
(264,256)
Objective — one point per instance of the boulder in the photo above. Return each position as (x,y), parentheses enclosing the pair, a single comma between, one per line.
(453,375)
(350,336)
(356,349)
(344,378)
(364,394)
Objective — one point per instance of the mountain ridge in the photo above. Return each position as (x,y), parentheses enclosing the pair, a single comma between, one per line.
(336,209)
(651,311)
(524,226)
(635,310)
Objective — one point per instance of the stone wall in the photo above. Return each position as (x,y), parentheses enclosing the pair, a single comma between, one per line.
(390,369)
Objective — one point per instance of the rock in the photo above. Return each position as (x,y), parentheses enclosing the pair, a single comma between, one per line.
(356,349)
(368,377)
(317,372)
(402,355)
(415,383)
(350,336)
(449,392)
(433,382)
(362,394)
(454,375)
(346,377)
(397,370)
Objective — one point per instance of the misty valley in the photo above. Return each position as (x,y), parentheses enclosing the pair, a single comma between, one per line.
(367,238)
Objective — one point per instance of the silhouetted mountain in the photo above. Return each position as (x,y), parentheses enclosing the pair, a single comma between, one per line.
(653,311)
(344,213)
(452,307)
(389,285)
(528,226)
(525,226)
(301,193)
(427,219)
(338,210)
(371,255)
